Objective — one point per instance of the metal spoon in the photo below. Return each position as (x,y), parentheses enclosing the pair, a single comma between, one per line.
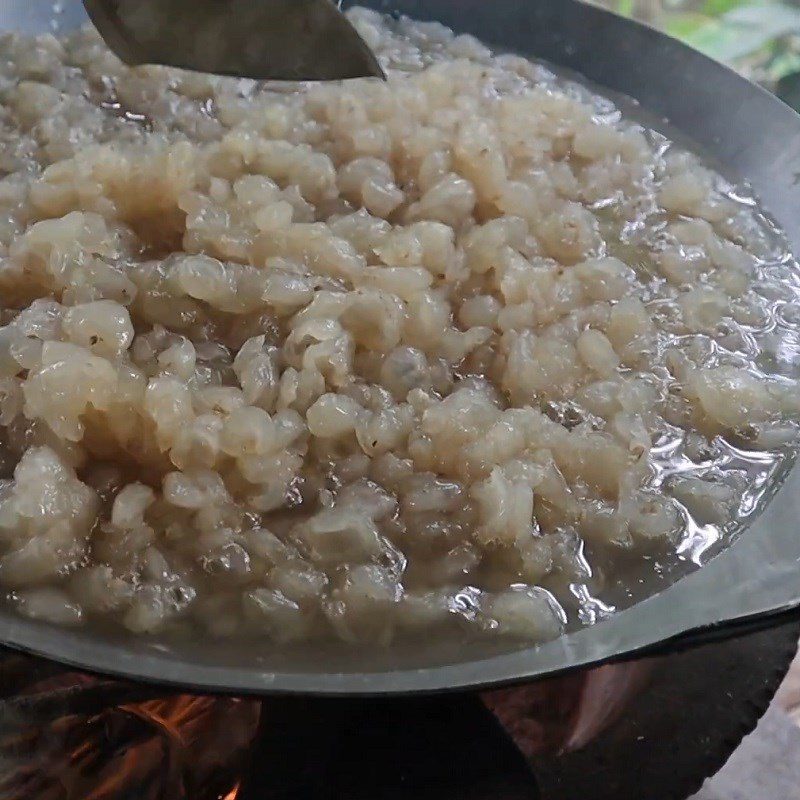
(267,39)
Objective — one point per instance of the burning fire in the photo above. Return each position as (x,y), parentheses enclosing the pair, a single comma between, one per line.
(68,736)
(167,748)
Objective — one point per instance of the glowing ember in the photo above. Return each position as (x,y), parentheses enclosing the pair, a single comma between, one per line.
(170,748)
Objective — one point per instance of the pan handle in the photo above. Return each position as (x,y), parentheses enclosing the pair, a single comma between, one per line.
(413,748)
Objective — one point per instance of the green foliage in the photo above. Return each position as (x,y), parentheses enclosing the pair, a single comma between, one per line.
(685,26)
(716,8)
(783,65)
(759,37)
(743,30)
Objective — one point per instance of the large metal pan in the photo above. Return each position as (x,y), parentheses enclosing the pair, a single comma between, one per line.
(751,136)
